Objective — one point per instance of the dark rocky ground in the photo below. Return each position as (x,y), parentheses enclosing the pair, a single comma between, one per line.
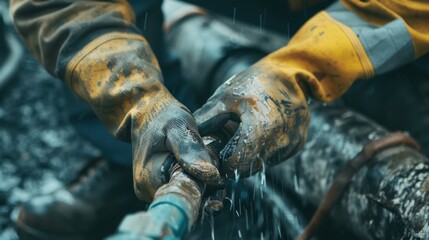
(39,150)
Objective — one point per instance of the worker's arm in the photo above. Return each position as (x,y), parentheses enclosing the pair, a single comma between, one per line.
(356,39)
(351,40)
(55,31)
(96,49)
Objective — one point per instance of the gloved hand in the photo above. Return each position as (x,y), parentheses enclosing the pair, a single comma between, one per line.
(270,103)
(119,78)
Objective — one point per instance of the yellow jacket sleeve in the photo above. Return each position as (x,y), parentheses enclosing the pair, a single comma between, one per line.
(56,30)
(353,40)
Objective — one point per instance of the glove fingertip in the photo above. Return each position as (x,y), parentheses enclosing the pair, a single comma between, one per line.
(206,172)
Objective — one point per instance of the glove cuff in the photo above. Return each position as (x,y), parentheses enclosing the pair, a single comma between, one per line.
(325,56)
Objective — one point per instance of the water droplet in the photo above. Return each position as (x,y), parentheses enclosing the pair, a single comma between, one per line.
(325,127)
(237,175)
(372,136)
(212,227)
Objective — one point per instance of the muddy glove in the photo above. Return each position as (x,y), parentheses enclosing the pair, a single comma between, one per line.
(273,114)
(119,77)
(323,59)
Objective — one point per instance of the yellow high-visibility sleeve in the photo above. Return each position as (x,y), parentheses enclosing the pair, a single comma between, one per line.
(354,40)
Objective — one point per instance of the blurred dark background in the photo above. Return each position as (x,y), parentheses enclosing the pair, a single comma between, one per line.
(39,150)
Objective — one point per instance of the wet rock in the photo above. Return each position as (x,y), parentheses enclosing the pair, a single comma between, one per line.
(39,150)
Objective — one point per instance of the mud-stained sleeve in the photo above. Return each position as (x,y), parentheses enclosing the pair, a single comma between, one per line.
(55,30)
(354,40)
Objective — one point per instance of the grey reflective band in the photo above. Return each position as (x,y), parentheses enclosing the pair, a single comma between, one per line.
(388,46)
